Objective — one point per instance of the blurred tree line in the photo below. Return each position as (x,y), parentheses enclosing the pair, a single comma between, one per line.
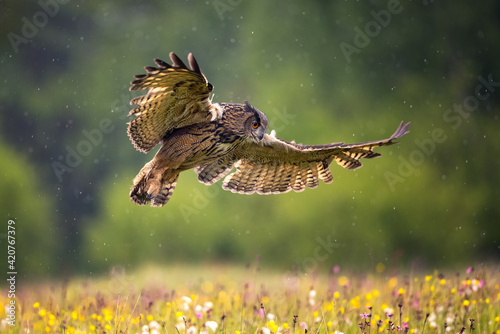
(322,71)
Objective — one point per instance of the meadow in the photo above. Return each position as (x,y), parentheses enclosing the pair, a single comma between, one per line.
(247,300)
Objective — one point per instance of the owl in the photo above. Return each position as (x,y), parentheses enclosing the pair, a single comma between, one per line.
(215,138)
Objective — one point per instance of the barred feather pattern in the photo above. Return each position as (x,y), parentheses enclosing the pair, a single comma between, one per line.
(276,178)
(177,97)
(213,172)
(151,186)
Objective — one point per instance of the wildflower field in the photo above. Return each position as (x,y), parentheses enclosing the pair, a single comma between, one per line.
(234,300)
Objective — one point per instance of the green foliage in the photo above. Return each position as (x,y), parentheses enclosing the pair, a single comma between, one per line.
(36,238)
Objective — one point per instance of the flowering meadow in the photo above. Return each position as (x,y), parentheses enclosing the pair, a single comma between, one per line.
(231,300)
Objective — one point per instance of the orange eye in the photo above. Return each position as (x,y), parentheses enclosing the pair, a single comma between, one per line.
(255,125)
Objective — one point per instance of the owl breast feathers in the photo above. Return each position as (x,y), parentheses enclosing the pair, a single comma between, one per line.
(215,138)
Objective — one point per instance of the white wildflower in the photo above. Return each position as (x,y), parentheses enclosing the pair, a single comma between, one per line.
(186,299)
(212,325)
(192,330)
(389,310)
(265,330)
(302,326)
(207,306)
(180,326)
(154,325)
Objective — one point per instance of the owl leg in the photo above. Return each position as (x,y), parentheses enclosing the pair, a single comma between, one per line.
(161,195)
(142,183)
(154,185)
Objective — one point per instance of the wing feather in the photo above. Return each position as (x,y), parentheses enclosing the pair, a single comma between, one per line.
(278,166)
(177,97)
(265,181)
(213,172)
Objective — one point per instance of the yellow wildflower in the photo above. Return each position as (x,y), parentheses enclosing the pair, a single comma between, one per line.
(393,281)
(74,315)
(149,318)
(466,303)
(36,305)
(343,280)
(442,281)
(428,277)
(355,302)
(401,291)
(42,312)
(336,295)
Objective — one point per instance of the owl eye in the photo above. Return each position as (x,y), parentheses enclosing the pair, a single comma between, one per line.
(255,124)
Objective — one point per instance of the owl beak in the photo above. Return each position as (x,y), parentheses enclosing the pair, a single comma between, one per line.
(260,134)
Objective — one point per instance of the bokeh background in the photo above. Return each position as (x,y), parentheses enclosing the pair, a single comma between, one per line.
(323,71)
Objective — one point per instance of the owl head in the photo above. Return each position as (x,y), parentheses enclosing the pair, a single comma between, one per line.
(255,125)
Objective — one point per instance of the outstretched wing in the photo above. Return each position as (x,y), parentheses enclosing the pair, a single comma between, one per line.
(278,166)
(177,97)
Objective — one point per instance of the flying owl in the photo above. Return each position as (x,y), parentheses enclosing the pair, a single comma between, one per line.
(215,138)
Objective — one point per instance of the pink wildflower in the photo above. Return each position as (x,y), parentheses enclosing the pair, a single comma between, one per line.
(365,315)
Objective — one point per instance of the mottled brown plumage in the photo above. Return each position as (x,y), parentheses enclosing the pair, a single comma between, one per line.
(214,138)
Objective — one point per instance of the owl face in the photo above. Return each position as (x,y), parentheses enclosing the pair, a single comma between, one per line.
(256,123)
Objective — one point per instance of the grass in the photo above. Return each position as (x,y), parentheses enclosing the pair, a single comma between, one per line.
(233,300)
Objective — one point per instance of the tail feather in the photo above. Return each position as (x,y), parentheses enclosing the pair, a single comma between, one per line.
(153,186)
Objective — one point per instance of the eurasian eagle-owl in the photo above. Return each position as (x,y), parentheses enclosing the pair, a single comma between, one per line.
(214,138)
